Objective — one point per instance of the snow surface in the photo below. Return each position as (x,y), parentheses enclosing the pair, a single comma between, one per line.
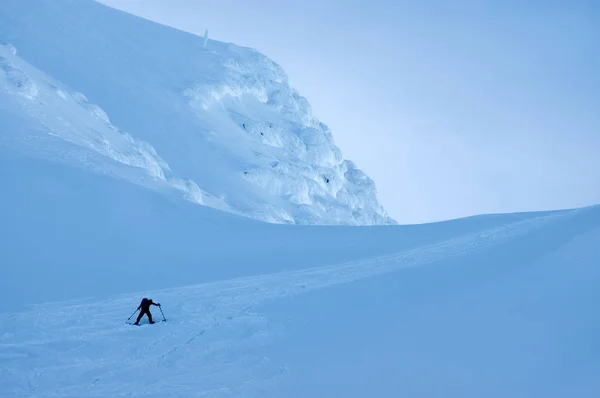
(108,197)
(127,97)
(501,306)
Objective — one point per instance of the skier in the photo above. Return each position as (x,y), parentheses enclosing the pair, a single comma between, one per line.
(145,309)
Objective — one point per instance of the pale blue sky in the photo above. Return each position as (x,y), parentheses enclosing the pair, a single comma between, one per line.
(452,108)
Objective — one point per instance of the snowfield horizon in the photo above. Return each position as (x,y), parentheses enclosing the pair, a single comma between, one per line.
(138,163)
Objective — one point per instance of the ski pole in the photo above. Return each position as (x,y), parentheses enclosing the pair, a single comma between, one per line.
(133,314)
(163,314)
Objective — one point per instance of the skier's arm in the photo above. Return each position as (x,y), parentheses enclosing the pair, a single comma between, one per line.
(156,304)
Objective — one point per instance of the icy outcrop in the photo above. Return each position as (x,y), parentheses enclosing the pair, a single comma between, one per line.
(288,153)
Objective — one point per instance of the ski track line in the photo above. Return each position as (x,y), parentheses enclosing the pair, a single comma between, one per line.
(210,347)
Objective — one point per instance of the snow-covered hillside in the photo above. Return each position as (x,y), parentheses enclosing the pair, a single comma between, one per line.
(92,87)
(490,306)
(494,306)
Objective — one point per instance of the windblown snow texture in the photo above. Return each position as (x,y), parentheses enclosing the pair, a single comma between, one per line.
(217,124)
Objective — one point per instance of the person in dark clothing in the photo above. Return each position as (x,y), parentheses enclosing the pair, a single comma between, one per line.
(145,309)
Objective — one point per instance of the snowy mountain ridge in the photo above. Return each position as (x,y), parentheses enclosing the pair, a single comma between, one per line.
(217,124)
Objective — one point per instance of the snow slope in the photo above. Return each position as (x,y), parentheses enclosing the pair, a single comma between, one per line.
(93,236)
(495,306)
(506,309)
(219,125)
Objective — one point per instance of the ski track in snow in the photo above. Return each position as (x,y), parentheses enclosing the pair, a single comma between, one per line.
(210,345)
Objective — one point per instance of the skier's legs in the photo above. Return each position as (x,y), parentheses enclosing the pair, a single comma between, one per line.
(141,315)
(150,317)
